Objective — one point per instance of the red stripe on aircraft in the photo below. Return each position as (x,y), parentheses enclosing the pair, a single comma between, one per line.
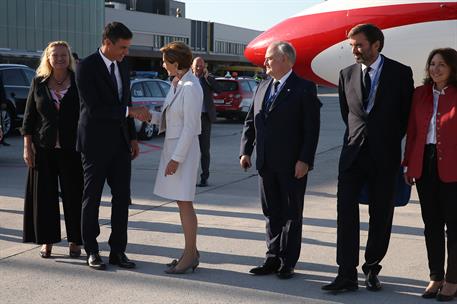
(312,34)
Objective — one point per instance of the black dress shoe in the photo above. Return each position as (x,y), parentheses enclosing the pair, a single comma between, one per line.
(271,265)
(95,261)
(341,284)
(285,272)
(203,183)
(372,282)
(121,260)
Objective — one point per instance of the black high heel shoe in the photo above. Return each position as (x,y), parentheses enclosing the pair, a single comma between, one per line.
(429,294)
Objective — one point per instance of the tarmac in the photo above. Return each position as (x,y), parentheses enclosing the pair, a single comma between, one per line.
(231,237)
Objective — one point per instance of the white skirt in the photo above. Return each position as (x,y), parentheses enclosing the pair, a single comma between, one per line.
(181,185)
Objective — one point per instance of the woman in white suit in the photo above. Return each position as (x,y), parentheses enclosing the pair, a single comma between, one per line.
(177,174)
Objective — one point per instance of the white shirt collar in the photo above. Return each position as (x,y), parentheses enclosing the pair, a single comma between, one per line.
(438,92)
(374,66)
(283,78)
(106,60)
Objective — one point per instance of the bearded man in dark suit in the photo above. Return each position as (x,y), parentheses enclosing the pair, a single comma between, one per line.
(375,99)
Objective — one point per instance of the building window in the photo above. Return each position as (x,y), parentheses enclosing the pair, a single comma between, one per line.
(229,48)
(199,30)
(161,40)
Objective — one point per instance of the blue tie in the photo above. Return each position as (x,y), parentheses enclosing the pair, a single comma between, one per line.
(270,100)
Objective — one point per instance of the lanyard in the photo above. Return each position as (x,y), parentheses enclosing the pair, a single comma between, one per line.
(374,84)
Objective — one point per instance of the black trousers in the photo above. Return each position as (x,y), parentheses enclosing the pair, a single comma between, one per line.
(439,210)
(41,204)
(114,167)
(282,197)
(204,140)
(381,189)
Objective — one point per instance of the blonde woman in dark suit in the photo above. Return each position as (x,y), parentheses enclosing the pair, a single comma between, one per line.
(49,130)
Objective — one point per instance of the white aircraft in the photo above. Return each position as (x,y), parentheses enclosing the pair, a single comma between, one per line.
(411,28)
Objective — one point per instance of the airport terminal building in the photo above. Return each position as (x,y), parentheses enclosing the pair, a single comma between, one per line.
(26,26)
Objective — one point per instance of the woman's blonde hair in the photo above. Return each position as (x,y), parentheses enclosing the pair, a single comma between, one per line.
(45,69)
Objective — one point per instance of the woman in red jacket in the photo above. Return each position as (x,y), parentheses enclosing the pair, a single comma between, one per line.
(431,162)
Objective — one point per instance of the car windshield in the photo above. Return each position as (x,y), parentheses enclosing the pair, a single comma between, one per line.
(228,86)
(245,86)
(14,77)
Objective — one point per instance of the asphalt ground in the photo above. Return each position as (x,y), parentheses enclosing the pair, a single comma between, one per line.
(231,237)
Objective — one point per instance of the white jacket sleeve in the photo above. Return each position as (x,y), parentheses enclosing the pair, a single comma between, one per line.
(192,107)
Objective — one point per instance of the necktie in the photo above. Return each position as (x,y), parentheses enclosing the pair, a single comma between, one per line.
(113,78)
(366,87)
(272,97)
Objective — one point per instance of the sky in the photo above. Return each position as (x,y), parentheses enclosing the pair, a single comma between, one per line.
(253,14)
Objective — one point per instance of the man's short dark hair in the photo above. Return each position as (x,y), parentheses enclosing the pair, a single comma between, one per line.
(371,31)
(115,31)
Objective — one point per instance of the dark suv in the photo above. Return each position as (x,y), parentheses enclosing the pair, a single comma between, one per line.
(235,99)
(16,79)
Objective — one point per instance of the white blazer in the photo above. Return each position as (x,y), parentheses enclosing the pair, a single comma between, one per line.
(181,114)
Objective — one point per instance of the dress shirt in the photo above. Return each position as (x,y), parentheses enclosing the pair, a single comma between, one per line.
(431,134)
(375,66)
(118,76)
(57,96)
(281,81)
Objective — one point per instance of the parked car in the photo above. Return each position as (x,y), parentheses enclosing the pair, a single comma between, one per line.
(144,74)
(150,93)
(16,79)
(236,97)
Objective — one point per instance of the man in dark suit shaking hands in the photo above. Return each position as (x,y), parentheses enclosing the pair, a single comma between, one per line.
(375,98)
(283,125)
(107,141)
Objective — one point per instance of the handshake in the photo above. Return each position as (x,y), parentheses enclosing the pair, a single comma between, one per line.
(140,113)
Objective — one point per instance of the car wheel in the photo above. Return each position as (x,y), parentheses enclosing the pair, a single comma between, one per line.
(7,121)
(148,131)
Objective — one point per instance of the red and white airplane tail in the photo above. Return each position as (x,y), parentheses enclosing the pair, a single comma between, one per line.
(411,28)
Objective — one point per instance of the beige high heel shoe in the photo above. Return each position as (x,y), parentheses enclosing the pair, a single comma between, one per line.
(45,251)
(192,266)
(175,262)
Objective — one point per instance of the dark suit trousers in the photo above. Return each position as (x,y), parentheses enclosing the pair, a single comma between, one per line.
(204,140)
(114,166)
(381,188)
(439,209)
(41,207)
(282,197)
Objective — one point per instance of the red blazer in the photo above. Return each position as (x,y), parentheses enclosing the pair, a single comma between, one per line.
(446,132)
